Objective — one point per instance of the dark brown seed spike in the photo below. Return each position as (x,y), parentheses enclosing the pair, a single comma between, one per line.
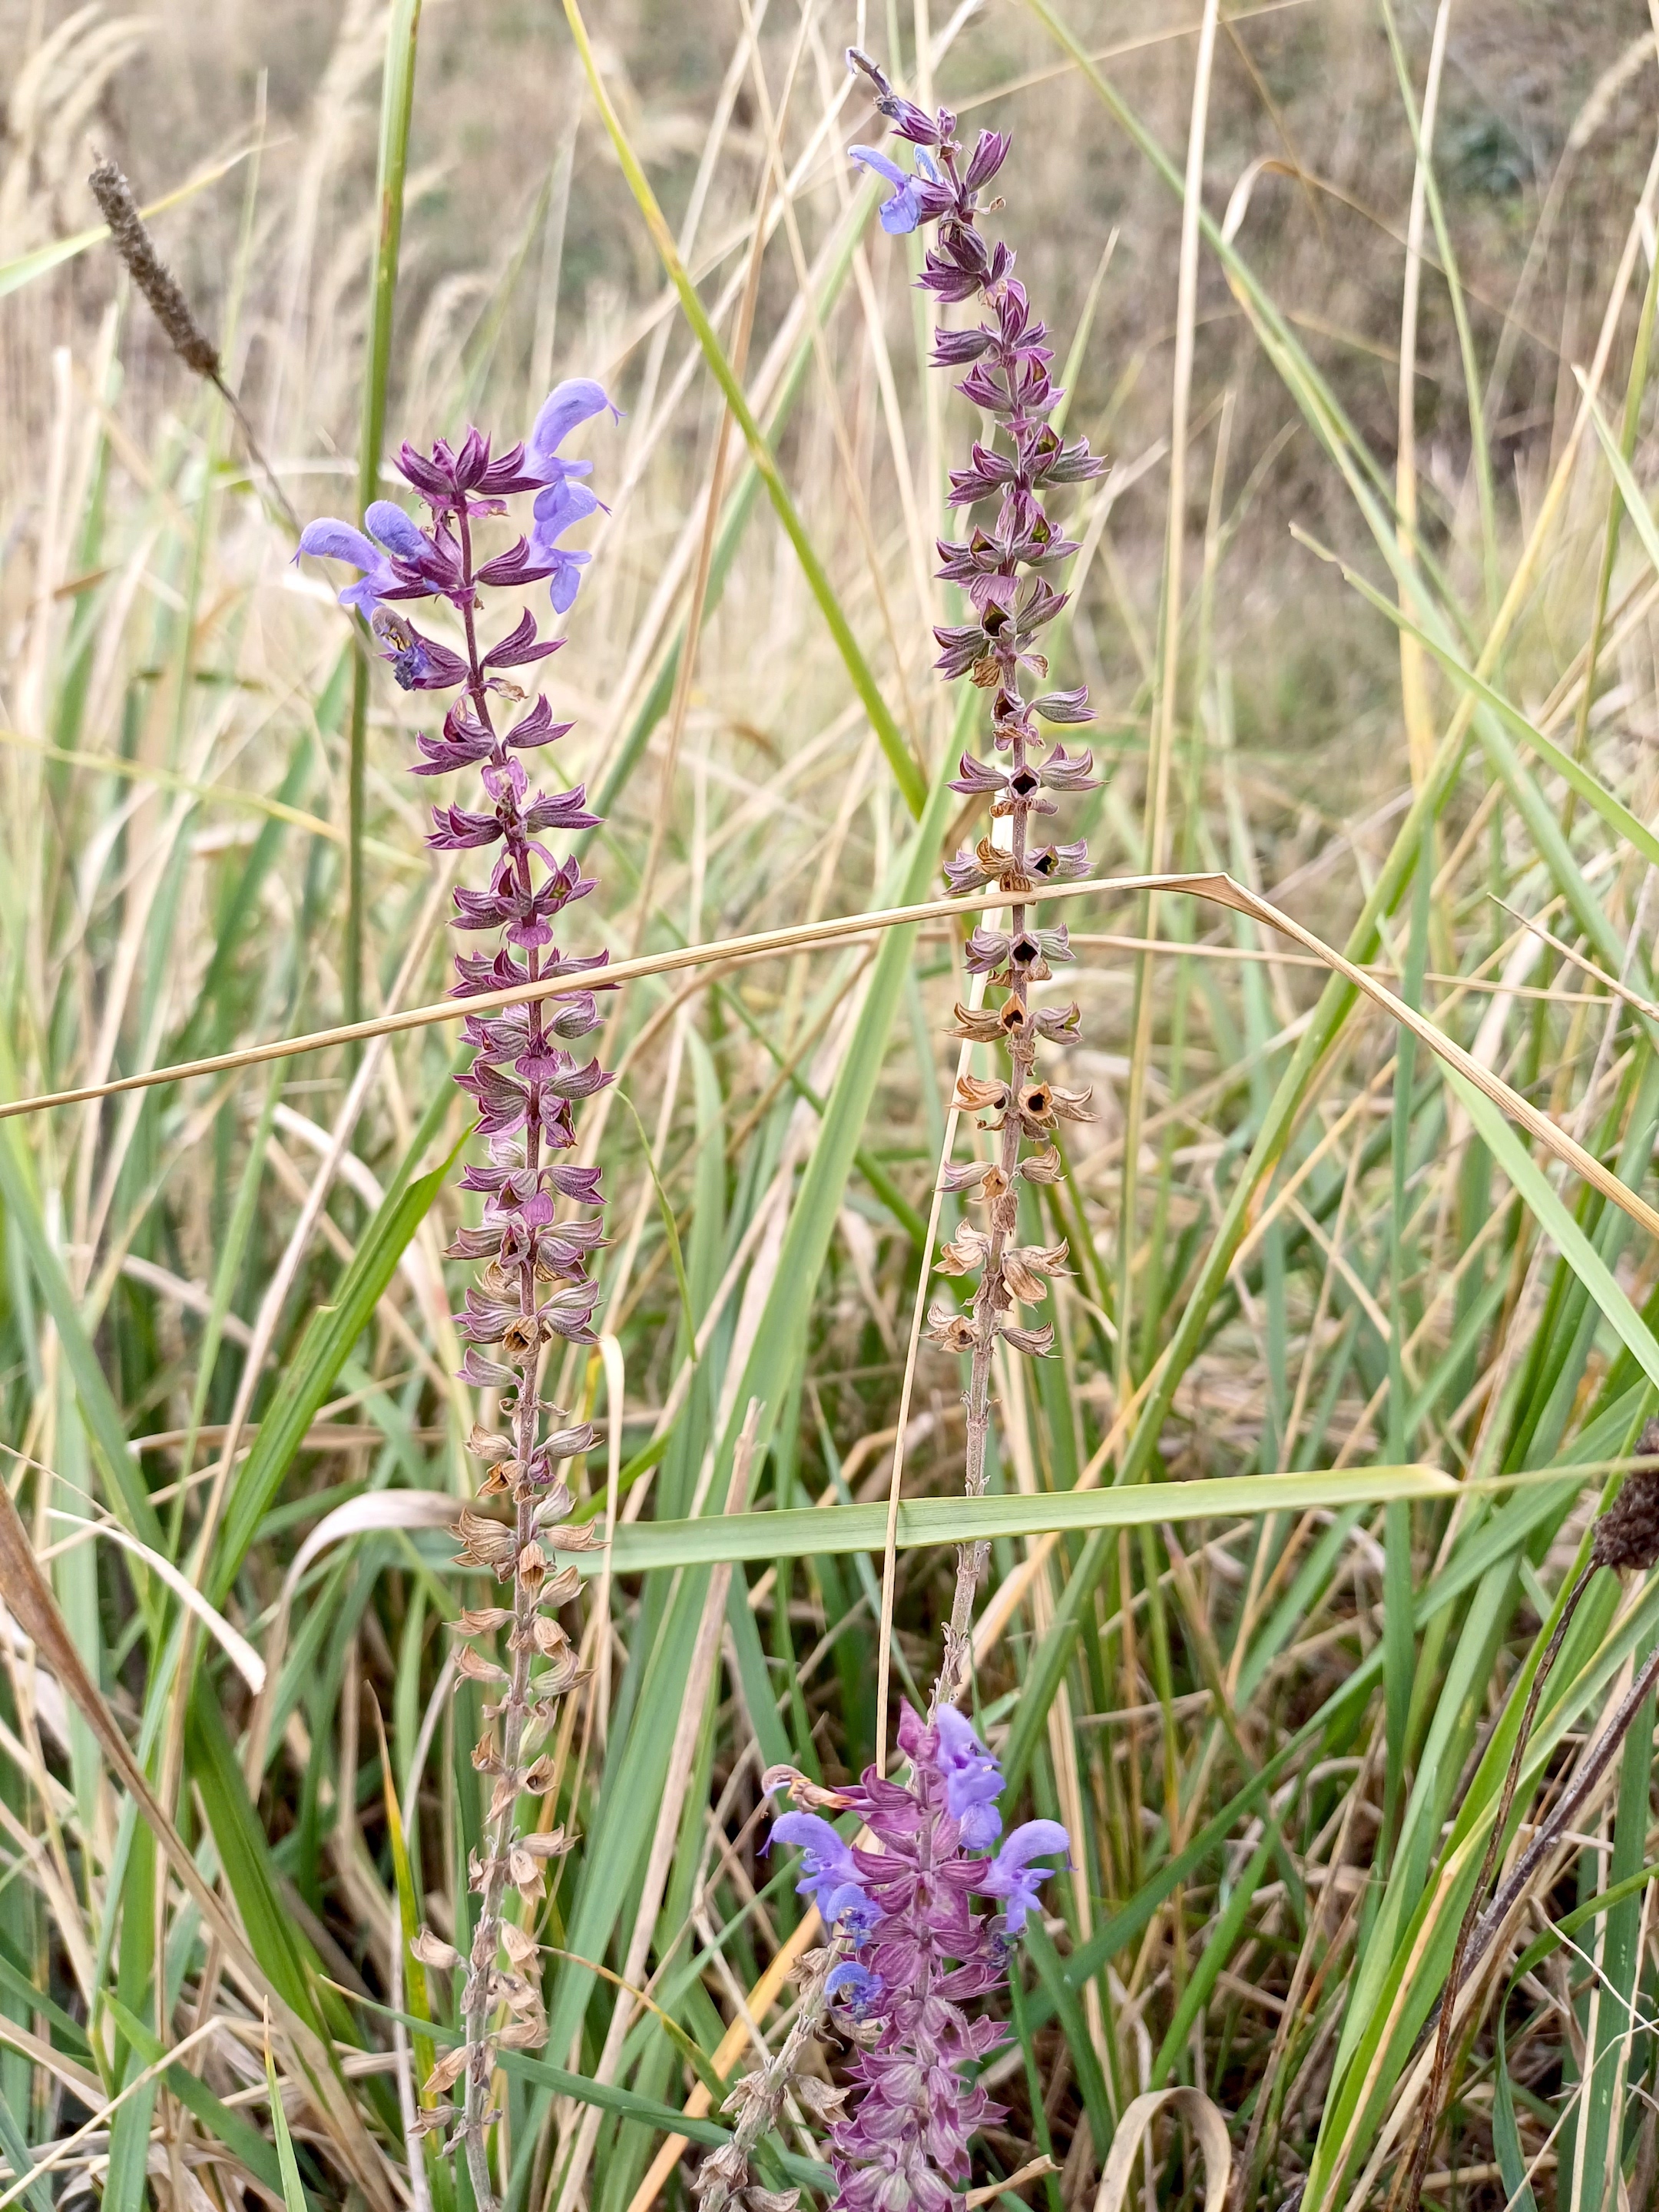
(130,235)
(1627,1534)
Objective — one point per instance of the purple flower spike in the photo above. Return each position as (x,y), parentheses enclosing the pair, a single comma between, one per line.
(925,1956)
(1012,1877)
(533,1290)
(972,1779)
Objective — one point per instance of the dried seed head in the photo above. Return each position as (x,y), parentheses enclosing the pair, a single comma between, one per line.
(485,1543)
(478,1620)
(721,2172)
(1627,1534)
(432,1951)
(575,1536)
(519,1945)
(130,235)
(448,2071)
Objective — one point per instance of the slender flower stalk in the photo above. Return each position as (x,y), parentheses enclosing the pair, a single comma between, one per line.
(532,1287)
(1004,570)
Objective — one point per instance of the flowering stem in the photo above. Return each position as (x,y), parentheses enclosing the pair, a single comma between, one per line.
(764,2091)
(486,1941)
(533,1284)
(1008,378)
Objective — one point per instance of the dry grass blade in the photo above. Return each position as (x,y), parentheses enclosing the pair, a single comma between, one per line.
(1216,888)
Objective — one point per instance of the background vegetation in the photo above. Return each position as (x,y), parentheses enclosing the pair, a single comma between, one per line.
(225,1355)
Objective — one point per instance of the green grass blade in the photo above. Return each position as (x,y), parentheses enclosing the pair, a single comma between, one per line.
(396,107)
(1613,2002)
(1573,773)
(906,773)
(1558,1223)
(106,1430)
(238,2136)
(1214,1956)
(1629,491)
(244,1854)
(923,1523)
(294,2195)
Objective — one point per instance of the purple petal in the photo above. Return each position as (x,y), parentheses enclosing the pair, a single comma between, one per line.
(808,1831)
(856,1986)
(902,212)
(567,580)
(555,509)
(871,158)
(365,594)
(568,404)
(397,531)
(328,539)
(1031,1840)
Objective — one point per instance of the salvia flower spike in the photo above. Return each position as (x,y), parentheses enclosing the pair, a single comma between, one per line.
(533,1288)
(1004,566)
(910,1956)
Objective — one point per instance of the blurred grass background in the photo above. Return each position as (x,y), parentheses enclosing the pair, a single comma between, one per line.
(1273,1742)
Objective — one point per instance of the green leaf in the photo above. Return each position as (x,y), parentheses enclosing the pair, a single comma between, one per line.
(1558,1224)
(238,2136)
(409,1917)
(780,1343)
(294,2195)
(1629,491)
(1216,1954)
(811,1531)
(396,107)
(1618,816)
(671,1230)
(106,1430)
(244,1854)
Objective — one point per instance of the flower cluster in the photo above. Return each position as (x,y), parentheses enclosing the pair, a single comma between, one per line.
(1004,567)
(533,1288)
(918,1956)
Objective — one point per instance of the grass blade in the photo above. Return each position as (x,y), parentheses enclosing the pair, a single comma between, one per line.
(396,107)
(906,774)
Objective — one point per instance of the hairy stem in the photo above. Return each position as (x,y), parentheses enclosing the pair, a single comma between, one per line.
(521,1643)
